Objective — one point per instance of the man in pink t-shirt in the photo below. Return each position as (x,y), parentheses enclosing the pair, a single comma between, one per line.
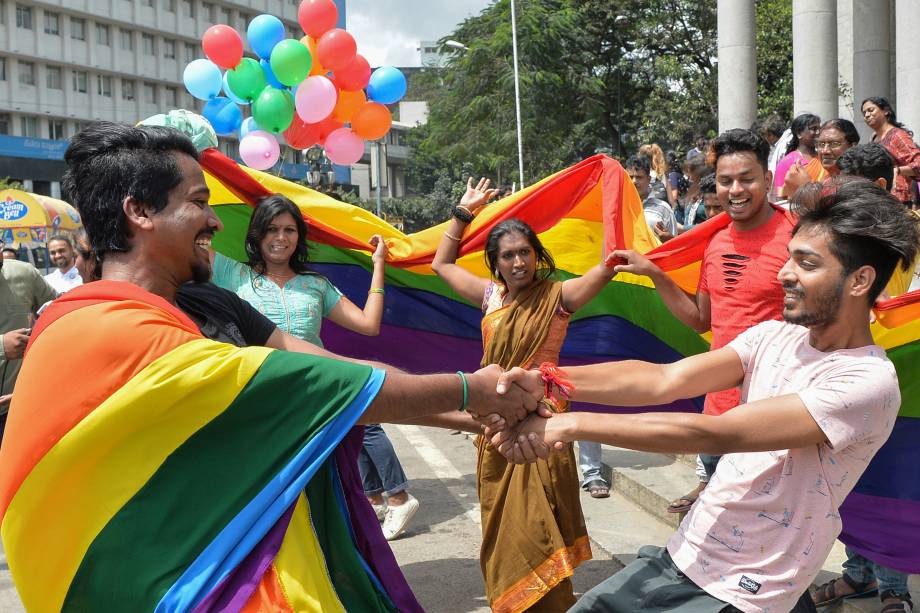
(738,287)
(819,399)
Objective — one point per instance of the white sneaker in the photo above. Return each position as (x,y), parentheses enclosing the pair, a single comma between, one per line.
(380,510)
(398,517)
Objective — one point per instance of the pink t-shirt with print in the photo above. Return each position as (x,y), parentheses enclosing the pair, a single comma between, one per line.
(764,525)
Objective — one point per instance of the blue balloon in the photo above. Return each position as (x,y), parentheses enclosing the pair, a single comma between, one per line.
(387,85)
(249,125)
(225,117)
(202,79)
(263,33)
(270,76)
(229,93)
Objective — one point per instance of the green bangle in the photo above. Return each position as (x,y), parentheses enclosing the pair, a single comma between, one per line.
(376,290)
(466,391)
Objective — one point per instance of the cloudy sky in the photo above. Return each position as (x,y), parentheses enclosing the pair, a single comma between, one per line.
(388,31)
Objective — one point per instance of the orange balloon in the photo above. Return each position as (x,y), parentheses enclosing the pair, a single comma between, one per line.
(347,104)
(371,121)
(316,68)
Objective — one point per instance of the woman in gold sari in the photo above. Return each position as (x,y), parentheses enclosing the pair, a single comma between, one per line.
(534,532)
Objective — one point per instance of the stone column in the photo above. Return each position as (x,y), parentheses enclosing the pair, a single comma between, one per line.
(871,57)
(907,72)
(814,57)
(737,64)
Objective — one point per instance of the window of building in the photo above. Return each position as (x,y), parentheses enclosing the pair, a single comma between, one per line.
(104,86)
(147,3)
(24,17)
(3,11)
(2,69)
(169,48)
(170,5)
(127,90)
(6,122)
(80,80)
(150,47)
(150,93)
(188,8)
(127,40)
(56,129)
(103,36)
(52,23)
(53,77)
(29,126)
(172,99)
(77,28)
(190,52)
(26,73)
(226,16)
(208,11)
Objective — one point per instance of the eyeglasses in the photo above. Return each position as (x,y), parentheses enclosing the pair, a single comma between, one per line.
(833,144)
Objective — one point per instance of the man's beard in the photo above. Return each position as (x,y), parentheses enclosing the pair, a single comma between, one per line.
(201,273)
(824,312)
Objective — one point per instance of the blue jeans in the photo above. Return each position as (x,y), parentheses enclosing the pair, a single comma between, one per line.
(862,570)
(380,468)
(706,466)
(589,460)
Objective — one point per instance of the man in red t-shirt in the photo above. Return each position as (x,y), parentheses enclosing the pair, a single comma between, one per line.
(738,285)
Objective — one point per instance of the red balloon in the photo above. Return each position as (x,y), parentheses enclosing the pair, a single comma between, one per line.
(328,126)
(302,135)
(317,17)
(223,46)
(336,48)
(371,121)
(354,75)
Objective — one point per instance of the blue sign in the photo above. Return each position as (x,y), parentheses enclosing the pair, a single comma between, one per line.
(33,148)
(11,210)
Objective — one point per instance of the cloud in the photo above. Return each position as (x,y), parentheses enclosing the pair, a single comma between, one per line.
(388,31)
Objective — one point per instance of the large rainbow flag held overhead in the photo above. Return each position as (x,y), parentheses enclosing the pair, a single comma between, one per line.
(579,212)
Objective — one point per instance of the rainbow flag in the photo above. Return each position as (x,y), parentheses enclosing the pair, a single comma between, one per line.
(182,474)
(579,213)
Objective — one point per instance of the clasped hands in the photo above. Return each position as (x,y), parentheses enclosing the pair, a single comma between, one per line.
(510,409)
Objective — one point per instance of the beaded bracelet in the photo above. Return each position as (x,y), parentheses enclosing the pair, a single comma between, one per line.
(462,214)
(466,391)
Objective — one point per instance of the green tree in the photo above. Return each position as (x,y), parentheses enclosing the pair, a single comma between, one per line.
(7,183)
(774,58)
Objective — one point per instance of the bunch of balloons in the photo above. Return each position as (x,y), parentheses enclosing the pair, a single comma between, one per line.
(310,91)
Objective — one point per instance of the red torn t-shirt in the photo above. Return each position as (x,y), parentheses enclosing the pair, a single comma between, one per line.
(739,272)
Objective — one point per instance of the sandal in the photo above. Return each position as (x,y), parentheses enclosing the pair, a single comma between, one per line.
(683,504)
(597,488)
(902,604)
(826,593)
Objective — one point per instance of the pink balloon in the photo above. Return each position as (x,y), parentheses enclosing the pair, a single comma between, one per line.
(315,98)
(344,147)
(259,150)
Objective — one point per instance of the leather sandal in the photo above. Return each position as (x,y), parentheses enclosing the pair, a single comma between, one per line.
(826,593)
(902,602)
(598,488)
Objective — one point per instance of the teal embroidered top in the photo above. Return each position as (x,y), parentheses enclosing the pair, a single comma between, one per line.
(297,308)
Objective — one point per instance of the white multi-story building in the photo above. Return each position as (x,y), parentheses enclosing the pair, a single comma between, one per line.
(64,63)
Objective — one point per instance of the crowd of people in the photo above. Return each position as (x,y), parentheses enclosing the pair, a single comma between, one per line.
(786,287)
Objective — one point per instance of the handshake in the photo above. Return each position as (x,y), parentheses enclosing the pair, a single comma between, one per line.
(515,409)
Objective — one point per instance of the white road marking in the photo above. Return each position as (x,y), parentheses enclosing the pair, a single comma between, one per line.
(440,464)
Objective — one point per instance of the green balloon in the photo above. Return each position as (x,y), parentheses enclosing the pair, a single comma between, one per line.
(291,62)
(247,80)
(273,110)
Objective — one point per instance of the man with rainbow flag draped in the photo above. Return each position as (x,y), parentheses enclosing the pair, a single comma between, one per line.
(186,474)
(819,399)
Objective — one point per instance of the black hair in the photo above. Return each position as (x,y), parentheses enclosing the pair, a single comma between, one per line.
(62,237)
(546,266)
(739,141)
(799,125)
(708,184)
(108,162)
(11,250)
(886,108)
(867,227)
(870,161)
(844,125)
(266,211)
(773,125)
(672,158)
(639,162)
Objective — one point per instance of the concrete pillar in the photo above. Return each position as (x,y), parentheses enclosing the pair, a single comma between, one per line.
(737,64)
(871,57)
(907,72)
(814,57)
